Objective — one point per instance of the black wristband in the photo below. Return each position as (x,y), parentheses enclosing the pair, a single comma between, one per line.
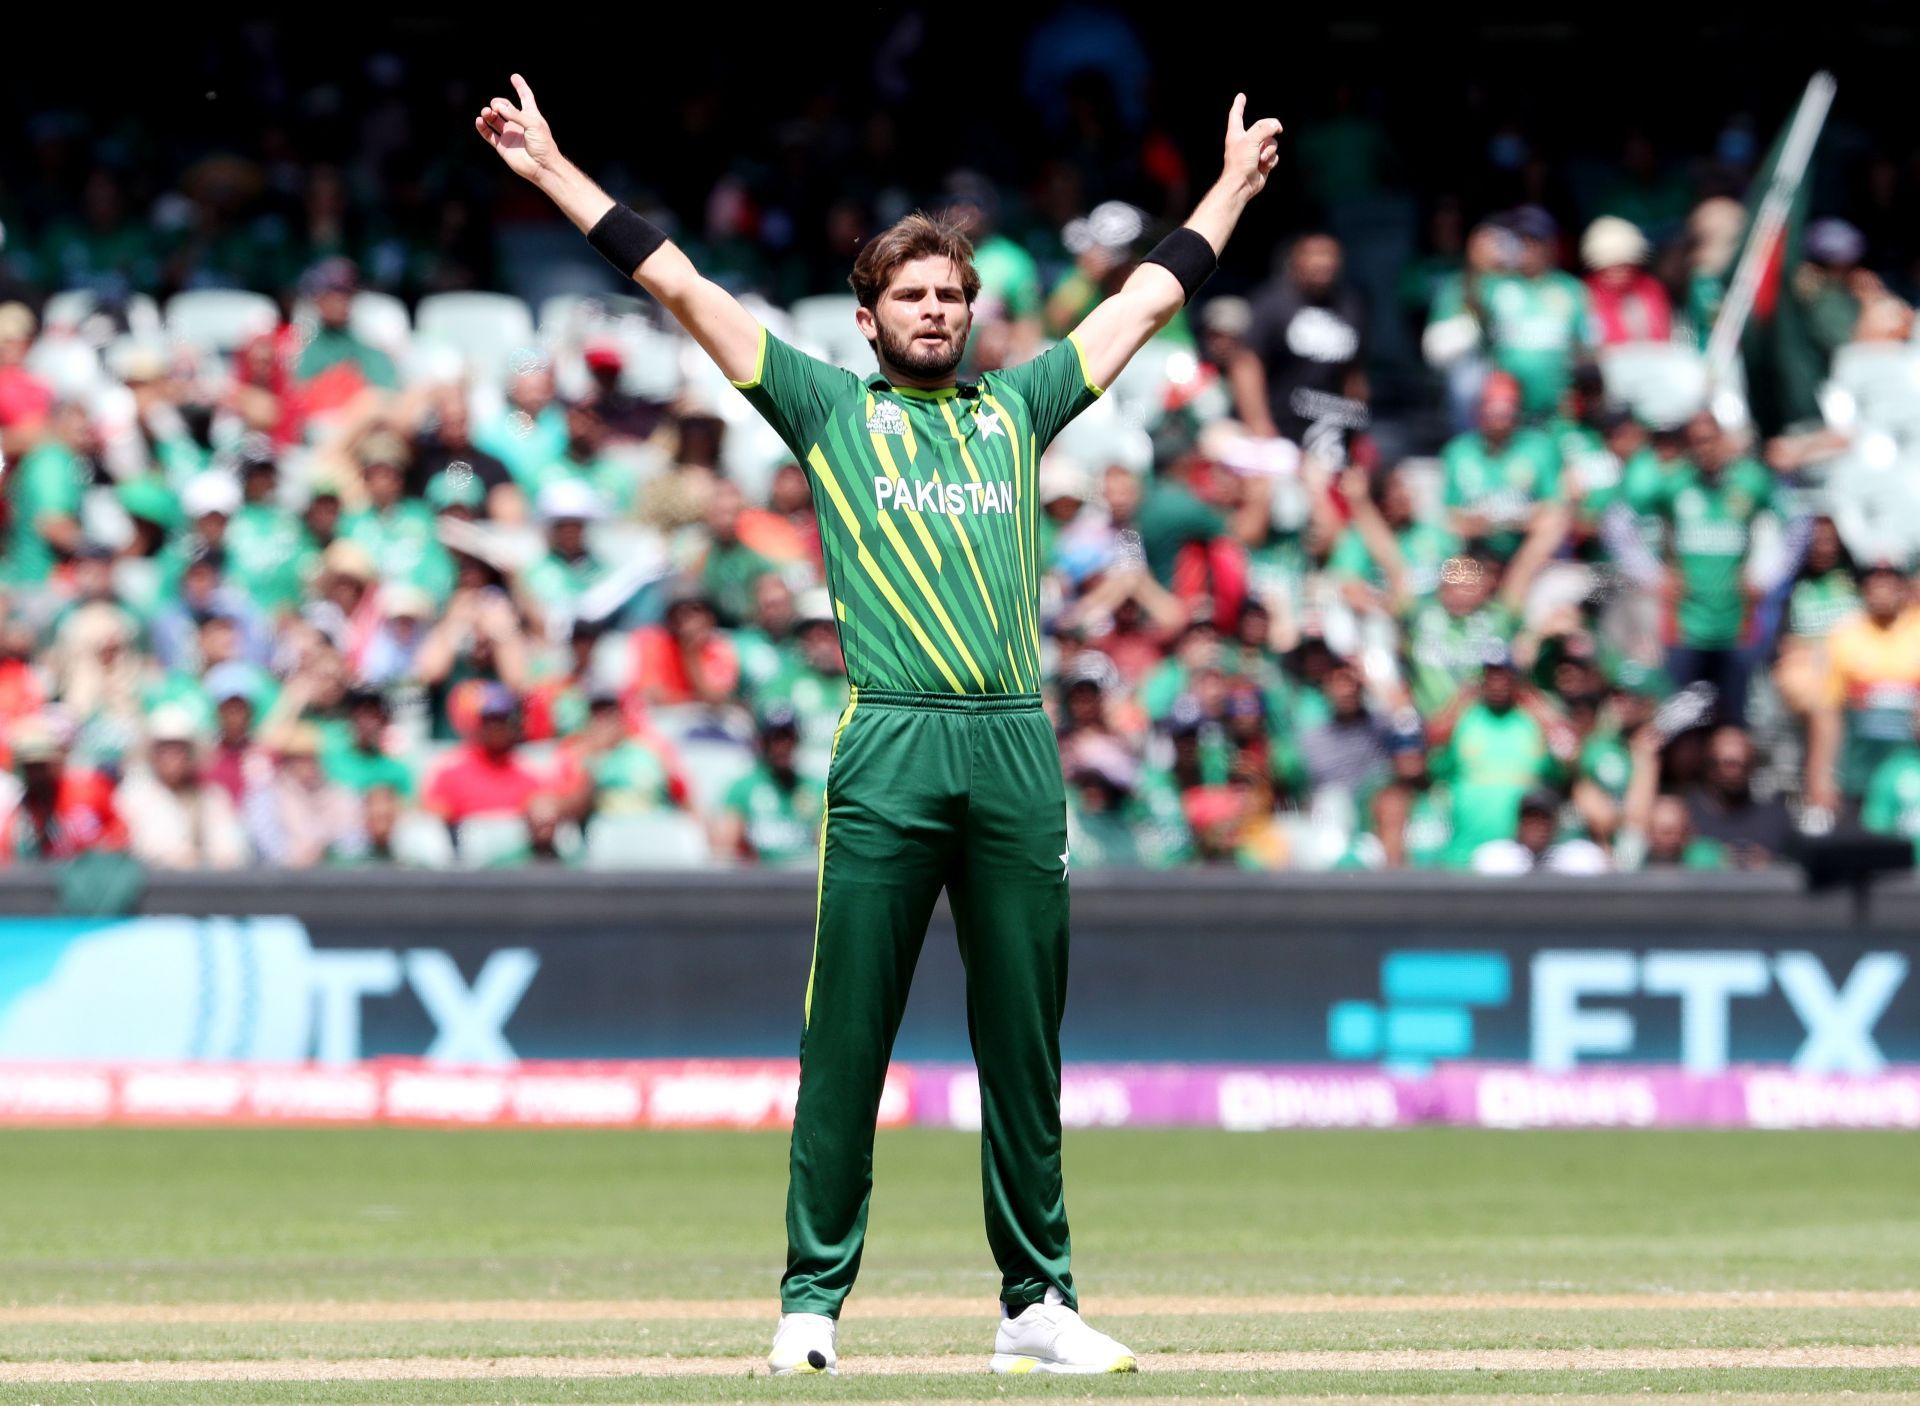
(624,238)
(1188,257)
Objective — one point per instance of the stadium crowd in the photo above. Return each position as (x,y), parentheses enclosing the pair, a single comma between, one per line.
(318,574)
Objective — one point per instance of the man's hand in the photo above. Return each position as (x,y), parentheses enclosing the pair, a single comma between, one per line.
(520,134)
(1252,152)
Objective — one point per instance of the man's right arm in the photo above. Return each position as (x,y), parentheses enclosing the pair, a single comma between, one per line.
(726,331)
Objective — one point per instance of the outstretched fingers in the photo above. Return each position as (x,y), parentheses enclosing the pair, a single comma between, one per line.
(1265,130)
(508,111)
(1235,125)
(526,94)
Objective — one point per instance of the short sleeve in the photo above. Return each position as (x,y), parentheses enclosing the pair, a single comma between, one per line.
(794,392)
(1451,495)
(1548,485)
(1055,387)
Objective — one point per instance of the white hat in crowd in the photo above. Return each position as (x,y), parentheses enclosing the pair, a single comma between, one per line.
(210,492)
(1610,242)
(570,499)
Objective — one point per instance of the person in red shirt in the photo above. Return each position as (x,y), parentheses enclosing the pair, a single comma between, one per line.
(486,777)
(1629,304)
(61,812)
(685,658)
(25,399)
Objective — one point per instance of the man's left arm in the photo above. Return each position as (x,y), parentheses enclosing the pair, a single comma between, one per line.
(1161,286)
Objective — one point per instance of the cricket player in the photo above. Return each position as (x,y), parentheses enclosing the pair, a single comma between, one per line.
(944,770)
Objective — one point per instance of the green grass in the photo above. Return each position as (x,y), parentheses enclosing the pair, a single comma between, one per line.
(214,1216)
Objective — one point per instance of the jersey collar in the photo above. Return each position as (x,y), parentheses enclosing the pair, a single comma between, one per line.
(966,390)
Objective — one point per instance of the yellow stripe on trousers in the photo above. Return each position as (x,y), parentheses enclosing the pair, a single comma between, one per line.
(820,871)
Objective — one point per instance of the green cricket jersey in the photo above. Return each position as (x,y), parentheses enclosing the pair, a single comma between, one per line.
(928,511)
(1502,484)
(1892,805)
(1710,519)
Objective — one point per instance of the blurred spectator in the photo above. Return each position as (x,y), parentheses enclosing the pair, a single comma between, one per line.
(1006,315)
(1515,306)
(1657,831)
(176,817)
(268,551)
(1347,750)
(25,399)
(772,814)
(1503,481)
(606,767)
(1724,808)
(42,495)
(1535,844)
(1451,637)
(731,567)
(1387,558)
(1493,747)
(486,775)
(626,416)
(1629,304)
(1892,803)
(685,659)
(396,532)
(444,447)
(811,675)
(556,582)
(546,825)
(530,431)
(1412,814)
(235,762)
(1709,504)
(476,643)
(1872,686)
(1306,332)
(61,810)
(335,364)
(1823,595)
(300,819)
(360,760)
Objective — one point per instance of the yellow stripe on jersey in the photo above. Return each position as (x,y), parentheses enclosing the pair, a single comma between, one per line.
(1081,352)
(759,365)
(825,474)
(885,456)
(966,543)
(1023,502)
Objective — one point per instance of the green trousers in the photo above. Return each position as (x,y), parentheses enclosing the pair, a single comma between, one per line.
(925,792)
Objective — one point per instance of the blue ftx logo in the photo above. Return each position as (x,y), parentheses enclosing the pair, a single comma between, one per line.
(1426,1010)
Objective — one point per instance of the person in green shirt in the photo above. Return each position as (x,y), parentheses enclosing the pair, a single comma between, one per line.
(530,430)
(1709,505)
(731,569)
(1823,595)
(104,249)
(1449,638)
(1534,317)
(582,455)
(1492,748)
(570,568)
(771,816)
(1503,481)
(359,760)
(331,285)
(810,679)
(1006,315)
(1892,803)
(42,499)
(268,552)
(1387,558)
(398,533)
(1410,814)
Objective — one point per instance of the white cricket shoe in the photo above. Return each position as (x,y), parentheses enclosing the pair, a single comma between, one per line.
(1050,1337)
(803,1346)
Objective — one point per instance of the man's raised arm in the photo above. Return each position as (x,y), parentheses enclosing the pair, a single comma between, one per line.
(1155,291)
(725,330)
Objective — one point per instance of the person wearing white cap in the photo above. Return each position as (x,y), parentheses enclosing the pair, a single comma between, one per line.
(1628,303)
(570,567)
(175,818)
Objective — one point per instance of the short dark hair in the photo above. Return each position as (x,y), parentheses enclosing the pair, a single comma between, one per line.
(914,237)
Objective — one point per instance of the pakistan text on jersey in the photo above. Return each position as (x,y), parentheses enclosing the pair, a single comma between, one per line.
(932,496)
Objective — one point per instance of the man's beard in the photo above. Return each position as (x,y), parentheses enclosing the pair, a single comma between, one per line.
(911,356)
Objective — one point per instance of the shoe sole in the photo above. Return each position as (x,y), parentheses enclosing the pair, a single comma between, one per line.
(1011,1364)
(804,1370)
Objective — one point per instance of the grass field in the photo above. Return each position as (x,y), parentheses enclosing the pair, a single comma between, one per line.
(389,1266)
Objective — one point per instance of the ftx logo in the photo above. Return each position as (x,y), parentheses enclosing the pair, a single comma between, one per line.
(1582,1005)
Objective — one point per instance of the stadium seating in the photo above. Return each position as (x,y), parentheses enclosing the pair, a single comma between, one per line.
(219,319)
(660,841)
(488,329)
